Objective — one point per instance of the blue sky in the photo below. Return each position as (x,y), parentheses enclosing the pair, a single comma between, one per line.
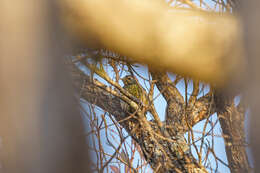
(160,105)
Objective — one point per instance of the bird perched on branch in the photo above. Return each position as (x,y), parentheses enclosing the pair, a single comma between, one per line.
(132,86)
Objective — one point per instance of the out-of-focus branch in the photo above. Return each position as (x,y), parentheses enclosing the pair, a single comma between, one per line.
(199,44)
(250,16)
(41,129)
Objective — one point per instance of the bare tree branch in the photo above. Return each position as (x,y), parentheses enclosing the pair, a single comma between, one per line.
(232,124)
(163,154)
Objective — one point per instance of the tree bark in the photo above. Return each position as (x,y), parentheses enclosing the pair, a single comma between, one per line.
(163,153)
(231,119)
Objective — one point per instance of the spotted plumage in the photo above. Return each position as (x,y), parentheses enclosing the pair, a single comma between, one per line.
(131,85)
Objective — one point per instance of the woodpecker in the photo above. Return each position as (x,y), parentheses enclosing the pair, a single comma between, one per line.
(132,86)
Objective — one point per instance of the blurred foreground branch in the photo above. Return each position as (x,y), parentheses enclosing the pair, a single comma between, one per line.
(250,15)
(200,44)
(40,126)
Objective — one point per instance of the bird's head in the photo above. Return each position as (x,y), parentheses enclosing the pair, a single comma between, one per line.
(128,80)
